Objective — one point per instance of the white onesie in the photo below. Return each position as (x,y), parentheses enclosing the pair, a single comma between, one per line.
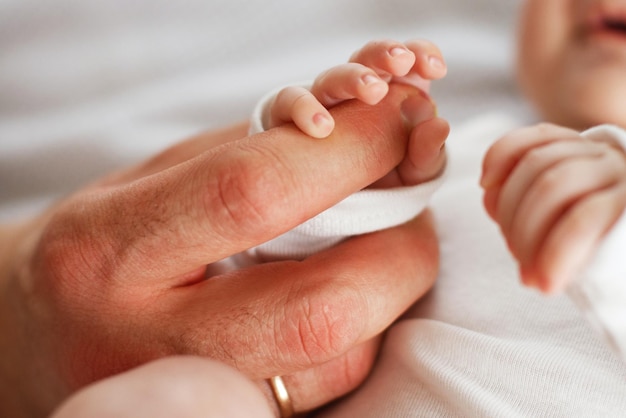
(482,345)
(366,211)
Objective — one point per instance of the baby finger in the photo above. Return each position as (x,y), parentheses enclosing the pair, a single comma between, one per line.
(387,58)
(300,106)
(572,242)
(349,81)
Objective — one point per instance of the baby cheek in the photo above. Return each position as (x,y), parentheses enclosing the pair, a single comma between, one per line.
(585,95)
(546,30)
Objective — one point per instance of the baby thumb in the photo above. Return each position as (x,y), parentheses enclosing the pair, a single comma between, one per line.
(416,109)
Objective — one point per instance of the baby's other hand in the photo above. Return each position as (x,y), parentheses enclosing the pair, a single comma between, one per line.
(554,195)
(365,77)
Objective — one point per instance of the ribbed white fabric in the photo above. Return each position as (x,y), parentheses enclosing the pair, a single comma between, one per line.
(366,211)
(480,344)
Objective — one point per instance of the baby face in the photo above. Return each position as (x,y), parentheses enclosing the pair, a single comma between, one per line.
(572,60)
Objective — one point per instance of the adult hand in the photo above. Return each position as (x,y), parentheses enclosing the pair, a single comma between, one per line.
(113,276)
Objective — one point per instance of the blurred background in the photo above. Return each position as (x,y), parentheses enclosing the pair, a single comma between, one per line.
(87,86)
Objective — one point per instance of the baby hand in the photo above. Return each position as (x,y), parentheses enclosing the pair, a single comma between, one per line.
(366,77)
(554,195)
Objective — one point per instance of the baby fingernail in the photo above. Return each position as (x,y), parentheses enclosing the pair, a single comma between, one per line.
(321,119)
(396,51)
(436,62)
(370,79)
(324,125)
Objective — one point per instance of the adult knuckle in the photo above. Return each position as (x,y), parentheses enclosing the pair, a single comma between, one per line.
(354,366)
(316,332)
(248,193)
(322,329)
(237,194)
(68,255)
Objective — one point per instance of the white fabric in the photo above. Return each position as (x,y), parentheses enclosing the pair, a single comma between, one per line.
(88,86)
(481,345)
(600,290)
(366,211)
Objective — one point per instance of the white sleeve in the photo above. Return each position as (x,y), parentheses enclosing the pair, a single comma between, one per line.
(600,291)
(365,211)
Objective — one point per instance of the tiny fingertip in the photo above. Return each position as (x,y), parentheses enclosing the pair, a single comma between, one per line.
(396,51)
(370,78)
(481,180)
(550,287)
(529,279)
(437,64)
(375,90)
(324,125)
(490,203)
(556,285)
(550,290)
(545,285)
(486,180)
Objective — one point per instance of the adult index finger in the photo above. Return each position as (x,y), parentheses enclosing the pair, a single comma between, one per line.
(237,195)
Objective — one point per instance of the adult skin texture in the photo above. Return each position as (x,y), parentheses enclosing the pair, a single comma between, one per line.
(113,276)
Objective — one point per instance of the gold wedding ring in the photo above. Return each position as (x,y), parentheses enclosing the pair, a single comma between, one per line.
(282,396)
